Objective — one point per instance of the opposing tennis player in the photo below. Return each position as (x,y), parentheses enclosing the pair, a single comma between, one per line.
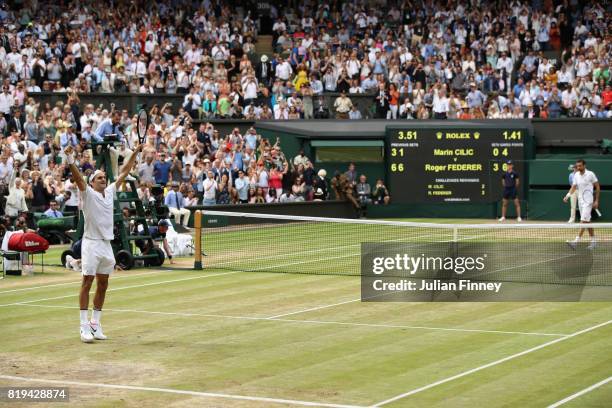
(97,256)
(585,181)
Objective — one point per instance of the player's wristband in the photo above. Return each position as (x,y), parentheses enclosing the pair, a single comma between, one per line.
(70,159)
(169,256)
(567,196)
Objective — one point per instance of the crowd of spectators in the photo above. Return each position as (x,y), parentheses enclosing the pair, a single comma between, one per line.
(416,59)
(192,165)
(199,163)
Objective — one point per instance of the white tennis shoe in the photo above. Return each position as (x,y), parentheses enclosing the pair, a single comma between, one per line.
(592,245)
(502,219)
(69,260)
(96,331)
(86,336)
(572,244)
(519,219)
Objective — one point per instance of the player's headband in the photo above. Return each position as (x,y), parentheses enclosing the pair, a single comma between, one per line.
(94,175)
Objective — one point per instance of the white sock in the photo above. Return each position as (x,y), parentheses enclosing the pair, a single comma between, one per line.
(97,315)
(577,239)
(84,318)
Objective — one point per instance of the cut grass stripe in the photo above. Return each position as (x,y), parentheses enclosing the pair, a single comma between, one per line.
(320,322)
(580,393)
(124,288)
(491,364)
(175,391)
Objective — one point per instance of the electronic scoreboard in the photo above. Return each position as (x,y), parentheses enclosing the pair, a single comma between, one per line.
(453,163)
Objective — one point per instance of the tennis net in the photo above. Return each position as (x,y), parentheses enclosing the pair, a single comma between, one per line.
(537,253)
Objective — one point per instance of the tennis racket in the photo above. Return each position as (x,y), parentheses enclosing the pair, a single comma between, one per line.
(142,125)
(587,200)
(587,197)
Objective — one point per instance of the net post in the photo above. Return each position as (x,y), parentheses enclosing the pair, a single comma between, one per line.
(197,263)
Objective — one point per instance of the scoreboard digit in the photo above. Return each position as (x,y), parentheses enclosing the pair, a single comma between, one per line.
(452,164)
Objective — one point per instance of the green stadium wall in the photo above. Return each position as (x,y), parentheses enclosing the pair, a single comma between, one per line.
(554,172)
(549,205)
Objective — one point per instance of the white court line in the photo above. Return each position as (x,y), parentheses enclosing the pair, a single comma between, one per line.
(124,287)
(79,282)
(314,308)
(379,325)
(183,392)
(579,393)
(394,326)
(491,364)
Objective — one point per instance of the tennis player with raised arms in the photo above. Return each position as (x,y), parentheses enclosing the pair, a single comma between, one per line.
(585,182)
(97,258)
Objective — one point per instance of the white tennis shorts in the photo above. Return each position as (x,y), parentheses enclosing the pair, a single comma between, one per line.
(585,210)
(97,257)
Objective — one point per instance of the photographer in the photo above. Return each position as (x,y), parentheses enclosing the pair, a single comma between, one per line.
(381,194)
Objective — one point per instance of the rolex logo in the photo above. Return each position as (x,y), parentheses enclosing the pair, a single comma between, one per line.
(439,135)
(476,135)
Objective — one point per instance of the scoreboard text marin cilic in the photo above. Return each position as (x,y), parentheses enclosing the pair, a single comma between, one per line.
(452,164)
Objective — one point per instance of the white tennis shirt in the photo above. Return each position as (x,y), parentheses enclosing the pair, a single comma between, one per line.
(584,184)
(98,212)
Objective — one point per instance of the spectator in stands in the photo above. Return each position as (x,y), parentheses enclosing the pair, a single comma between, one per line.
(175,201)
(40,193)
(53,211)
(364,191)
(15,202)
(300,159)
(146,170)
(320,186)
(298,190)
(241,184)
(351,174)
(224,190)
(210,189)
(343,105)
(354,113)
(161,169)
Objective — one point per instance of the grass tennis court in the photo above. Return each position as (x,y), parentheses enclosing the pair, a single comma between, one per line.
(221,337)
